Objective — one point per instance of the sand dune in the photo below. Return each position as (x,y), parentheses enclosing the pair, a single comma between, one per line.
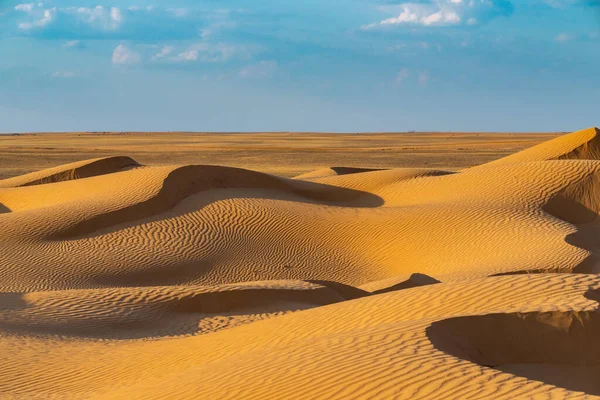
(128,281)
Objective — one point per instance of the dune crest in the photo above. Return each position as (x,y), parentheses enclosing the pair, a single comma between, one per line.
(179,281)
(580,145)
(333,171)
(77,170)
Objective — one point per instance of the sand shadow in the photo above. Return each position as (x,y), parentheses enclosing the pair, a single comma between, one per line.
(557,348)
(569,210)
(415,280)
(103,166)
(585,219)
(347,292)
(171,317)
(352,170)
(593,294)
(4,209)
(587,237)
(12,302)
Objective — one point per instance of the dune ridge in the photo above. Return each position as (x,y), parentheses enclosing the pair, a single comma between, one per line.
(77,170)
(580,145)
(333,171)
(184,281)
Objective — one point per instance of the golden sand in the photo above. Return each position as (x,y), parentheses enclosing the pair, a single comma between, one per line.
(123,280)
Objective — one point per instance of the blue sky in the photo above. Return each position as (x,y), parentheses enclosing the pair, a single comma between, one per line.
(312,65)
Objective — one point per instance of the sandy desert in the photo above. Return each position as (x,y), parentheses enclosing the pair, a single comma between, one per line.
(300,266)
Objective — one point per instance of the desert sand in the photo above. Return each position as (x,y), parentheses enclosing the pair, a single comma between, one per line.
(448,280)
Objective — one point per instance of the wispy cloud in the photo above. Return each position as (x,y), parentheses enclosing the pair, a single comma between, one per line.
(188,55)
(123,55)
(25,7)
(73,44)
(203,51)
(43,19)
(51,19)
(164,52)
(39,16)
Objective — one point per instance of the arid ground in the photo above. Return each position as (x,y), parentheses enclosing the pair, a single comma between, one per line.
(300,266)
(285,154)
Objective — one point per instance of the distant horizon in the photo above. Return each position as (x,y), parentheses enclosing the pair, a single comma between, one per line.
(283,132)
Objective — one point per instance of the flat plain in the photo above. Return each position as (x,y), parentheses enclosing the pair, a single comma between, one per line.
(300,266)
(286,154)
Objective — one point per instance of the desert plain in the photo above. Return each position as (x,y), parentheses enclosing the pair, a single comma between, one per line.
(300,265)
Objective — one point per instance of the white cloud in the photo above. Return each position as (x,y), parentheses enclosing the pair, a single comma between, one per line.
(443,12)
(189,55)
(164,52)
(125,56)
(138,8)
(46,18)
(115,15)
(441,17)
(203,52)
(25,7)
(72,44)
(263,69)
(123,23)
(419,14)
(99,16)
